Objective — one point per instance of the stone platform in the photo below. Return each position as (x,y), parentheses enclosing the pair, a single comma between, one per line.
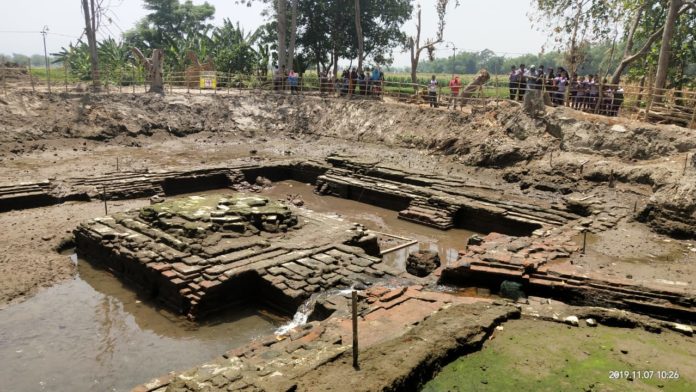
(202,253)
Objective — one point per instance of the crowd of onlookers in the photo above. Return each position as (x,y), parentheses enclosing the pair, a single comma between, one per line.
(578,92)
(351,82)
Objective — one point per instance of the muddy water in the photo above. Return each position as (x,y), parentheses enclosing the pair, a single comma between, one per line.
(446,243)
(92,333)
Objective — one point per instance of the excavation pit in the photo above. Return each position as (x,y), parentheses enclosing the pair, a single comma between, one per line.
(199,254)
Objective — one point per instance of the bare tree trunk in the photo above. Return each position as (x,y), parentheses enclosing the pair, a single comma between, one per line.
(574,41)
(153,65)
(416,49)
(282,24)
(293,35)
(89,9)
(358,29)
(666,48)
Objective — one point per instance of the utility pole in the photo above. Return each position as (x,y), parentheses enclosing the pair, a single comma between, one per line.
(48,68)
(454,54)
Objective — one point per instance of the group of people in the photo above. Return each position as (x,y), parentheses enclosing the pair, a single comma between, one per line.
(578,92)
(352,81)
(363,82)
(454,85)
(281,78)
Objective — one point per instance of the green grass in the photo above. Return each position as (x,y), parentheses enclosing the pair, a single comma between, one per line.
(541,356)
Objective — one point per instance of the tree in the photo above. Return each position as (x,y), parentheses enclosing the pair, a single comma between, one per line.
(359,34)
(576,24)
(91,11)
(174,27)
(232,48)
(666,46)
(414,42)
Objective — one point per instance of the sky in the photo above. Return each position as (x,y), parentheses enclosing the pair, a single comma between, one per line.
(499,25)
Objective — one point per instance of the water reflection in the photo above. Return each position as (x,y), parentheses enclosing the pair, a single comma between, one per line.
(92,333)
(446,243)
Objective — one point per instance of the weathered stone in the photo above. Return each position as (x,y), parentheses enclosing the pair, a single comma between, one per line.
(421,263)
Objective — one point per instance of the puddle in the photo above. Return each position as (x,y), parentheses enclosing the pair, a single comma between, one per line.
(446,243)
(93,333)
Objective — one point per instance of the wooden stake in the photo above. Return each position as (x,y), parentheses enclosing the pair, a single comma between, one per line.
(354,305)
(584,240)
(686,163)
(116,164)
(31,77)
(106,208)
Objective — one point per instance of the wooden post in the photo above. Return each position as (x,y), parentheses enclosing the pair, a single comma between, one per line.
(31,77)
(133,78)
(354,306)
(686,163)
(693,116)
(106,209)
(116,164)
(584,240)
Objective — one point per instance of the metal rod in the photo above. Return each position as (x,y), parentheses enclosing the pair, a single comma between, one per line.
(354,306)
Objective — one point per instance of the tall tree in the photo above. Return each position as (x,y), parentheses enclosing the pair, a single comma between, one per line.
(359,35)
(293,34)
(666,46)
(91,11)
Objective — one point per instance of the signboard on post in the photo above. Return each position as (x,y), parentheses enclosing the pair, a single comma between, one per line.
(208,80)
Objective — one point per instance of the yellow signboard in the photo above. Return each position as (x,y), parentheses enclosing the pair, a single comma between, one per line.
(208,80)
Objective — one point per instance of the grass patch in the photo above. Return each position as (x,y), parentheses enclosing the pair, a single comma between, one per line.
(541,356)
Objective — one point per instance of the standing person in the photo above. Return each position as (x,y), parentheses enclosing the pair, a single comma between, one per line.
(293,79)
(345,76)
(432,92)
(455,84)
(617,101)
(574,87)
(522,80)
(540,77)
(593,93)
(513,82)
(532,77)
(561,83)
(549,85)
(374,81)
(352,80)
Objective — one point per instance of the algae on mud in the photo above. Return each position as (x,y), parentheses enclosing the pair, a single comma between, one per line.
(530,355)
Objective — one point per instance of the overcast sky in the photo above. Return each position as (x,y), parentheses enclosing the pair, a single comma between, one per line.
(499,25)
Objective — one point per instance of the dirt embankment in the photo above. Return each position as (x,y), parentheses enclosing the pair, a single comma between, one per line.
(498,135)
(44,136)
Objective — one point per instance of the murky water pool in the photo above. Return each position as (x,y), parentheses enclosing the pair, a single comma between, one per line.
(446,243)
(94,334)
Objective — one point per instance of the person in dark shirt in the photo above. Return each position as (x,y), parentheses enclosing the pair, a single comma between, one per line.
(522,80)
(353,80)
(513,83)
